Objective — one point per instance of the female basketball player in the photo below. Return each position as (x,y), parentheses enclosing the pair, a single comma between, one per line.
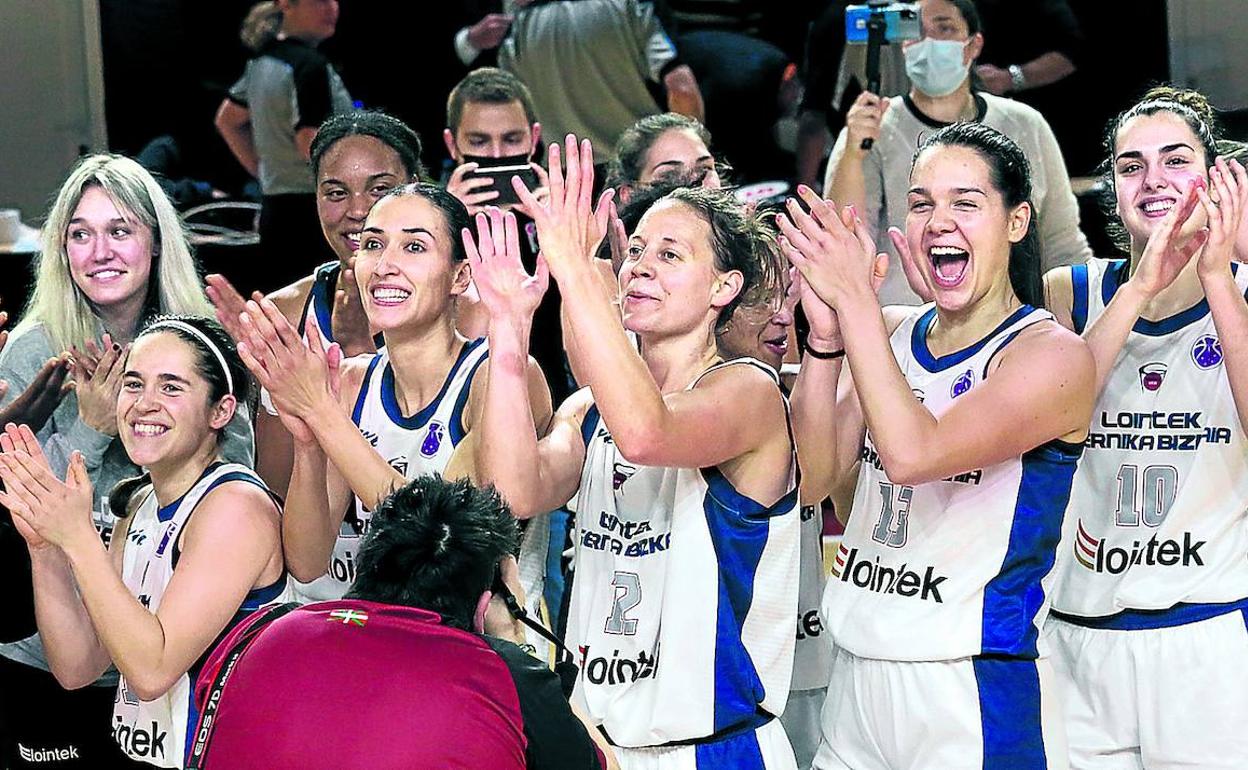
(202,549)
(1149,615)
(687,538)
(974,409)
(404,411)
(356,158)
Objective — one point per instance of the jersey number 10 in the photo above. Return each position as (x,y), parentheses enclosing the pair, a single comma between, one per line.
(1158,488)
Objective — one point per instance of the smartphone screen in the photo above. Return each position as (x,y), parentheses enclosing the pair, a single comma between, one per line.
(501,170)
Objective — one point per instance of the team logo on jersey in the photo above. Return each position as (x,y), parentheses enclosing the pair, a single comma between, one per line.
(1151,376)
(964,383)
(1207,352)
(882,579)
(1094,555)
(433,439)
(621,472)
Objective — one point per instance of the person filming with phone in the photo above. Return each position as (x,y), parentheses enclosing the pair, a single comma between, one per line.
(874,175)
(491,134)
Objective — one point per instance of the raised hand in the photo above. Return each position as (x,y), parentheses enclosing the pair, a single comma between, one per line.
(34,405)
(569,227)
(227,303)
(97,383)
(1169,249)
(350,322)
(506,289)
(914,274)
(1230,181)
(46,511)
(838,260)
(297,375)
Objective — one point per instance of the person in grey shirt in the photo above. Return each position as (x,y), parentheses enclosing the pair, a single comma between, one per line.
(269,119)
(114,254)
(876,180)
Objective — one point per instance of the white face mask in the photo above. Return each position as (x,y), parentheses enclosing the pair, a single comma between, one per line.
(935,67)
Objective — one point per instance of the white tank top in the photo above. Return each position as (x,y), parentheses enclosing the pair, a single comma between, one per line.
(953,568)
(1158,514)
(156,731)
(684,597)
(414,446)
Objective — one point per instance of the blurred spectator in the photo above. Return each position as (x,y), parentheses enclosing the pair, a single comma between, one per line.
(419,666)
(876,180)
(835,74)
(163,157)
(378,83)
(269,119)
(741,76)
(1028,45)
(594,66)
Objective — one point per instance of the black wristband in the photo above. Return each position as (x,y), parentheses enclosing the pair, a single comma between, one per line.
(822,355)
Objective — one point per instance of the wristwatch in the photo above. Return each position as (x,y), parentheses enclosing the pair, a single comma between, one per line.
(1018,81)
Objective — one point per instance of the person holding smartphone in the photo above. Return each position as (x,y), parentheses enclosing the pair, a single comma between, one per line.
(490,127)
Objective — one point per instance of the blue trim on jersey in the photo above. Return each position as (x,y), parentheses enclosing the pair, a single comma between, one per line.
(1079,288)
(1008,339)
(165,512)
(918,341)
(1145,620)
(315,293)
(1009,713)
(192,716)
(231,476)
(456,427)
(357,411)
(739,528)
(1116,275)
(390,402)
(738,751)
(590,424)
(1014,597)
(323,304)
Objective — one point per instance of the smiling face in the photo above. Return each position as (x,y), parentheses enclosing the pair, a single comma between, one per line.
(354,173)
(405,266)
(492,130)
(1156,158)
(164,410)
(679,153)
(762,331)
(958,228)
(110,254)
(669,283)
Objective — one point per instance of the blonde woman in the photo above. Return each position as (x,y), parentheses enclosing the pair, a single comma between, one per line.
(114,254)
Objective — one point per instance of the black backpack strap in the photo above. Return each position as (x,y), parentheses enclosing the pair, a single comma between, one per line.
(207,717)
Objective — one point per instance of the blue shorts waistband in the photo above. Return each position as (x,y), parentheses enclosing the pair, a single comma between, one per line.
(1143,620)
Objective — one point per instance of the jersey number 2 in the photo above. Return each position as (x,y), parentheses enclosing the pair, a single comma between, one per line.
(627,596)
(894,523)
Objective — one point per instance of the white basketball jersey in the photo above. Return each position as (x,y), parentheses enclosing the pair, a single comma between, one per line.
(414,446)
(684,597)
(1158,514)
(953,568)
(156,731)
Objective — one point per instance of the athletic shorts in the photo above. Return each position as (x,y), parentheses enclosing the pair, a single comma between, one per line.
(980,713)
(43,725)
(1171,697)
(801,722)
(764,748)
